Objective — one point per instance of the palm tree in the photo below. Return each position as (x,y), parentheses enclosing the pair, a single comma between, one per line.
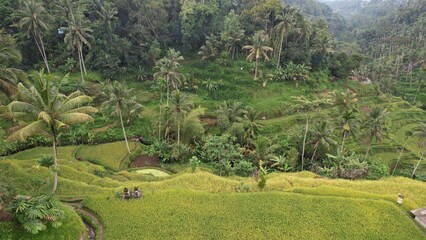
(232,111)
(179,108)
(233,42)
(168,68)
(349,125)
(33,14)
(122,101)
(211,48)
(258,49)
(321,135)
(374,126)
(76,37)
(250,124)
(9,55)
(42,109)
(108,15)
(263,149)
(324,45)
(285,23)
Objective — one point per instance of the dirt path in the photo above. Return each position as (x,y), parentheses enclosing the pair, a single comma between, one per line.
(91,231)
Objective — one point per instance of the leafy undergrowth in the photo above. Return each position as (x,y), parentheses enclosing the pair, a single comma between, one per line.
(185,214)
(72,228)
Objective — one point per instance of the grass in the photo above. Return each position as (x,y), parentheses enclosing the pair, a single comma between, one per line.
(37,153)
(303,204)
(185,214)
(108,155)
(153,172)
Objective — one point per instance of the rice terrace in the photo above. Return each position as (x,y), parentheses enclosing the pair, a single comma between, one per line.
(212,119)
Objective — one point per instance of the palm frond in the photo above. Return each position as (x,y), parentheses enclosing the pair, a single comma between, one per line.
(74,118)
(76,102)
(33,128)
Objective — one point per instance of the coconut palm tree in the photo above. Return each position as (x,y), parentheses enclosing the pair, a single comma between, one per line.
(258,49)
(9,55)
(321,135)
(349,123)
(76,37)
(285,22)
(251,126)
(232,111)
(180,106)
(33,19)
(122,102)
(264,149)
(168,68)
(211,47)
(42,109)
(374,126)
(108,15)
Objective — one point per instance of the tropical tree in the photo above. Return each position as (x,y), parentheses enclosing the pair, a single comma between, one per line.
(108,15)
(258,49)
(230,112)
(232,34)
(9,56)
(180,107)
(251,126)
(323,47)
(321,135)
(42,109)
(349,123)
(168,68)
(264,149)
(211,47)
(76,37)
(346,101)
(285,22)
(374,126)
(122,101)
(34,20)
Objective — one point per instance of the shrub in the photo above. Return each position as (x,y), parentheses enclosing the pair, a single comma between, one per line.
(242,187)
(243,168)
(377,169)
(262,182)
(46,161)
(162,150)
(194,162)
(220,148)
(35,213)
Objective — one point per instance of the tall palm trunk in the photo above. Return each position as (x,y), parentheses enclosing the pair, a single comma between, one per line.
(124,132)
(159,122)
(82,59)
(281,47)
(80,62)
(313,156)
(304,142)
(55,161)
(44,53)
(168,90)
(343,141)
(40,46)
(417,165)
(397,162)
(368,149)
(178,132)
(255,70)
